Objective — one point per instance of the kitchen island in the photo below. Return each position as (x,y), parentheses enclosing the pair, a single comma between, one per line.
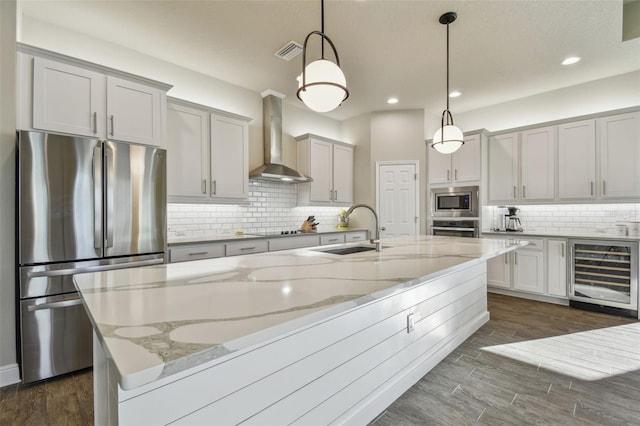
(298,336)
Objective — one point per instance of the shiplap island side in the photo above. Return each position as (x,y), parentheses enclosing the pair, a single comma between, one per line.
(298,336)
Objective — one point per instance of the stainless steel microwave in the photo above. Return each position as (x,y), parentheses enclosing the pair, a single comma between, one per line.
(459,201)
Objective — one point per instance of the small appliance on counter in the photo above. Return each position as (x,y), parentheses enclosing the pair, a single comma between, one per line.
(500,223)
(512,221)
(309,225)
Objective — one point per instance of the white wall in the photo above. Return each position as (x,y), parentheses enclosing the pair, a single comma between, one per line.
(8,366)
(607,94)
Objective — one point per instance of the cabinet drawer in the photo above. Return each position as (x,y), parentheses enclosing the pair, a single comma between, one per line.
(356,236)
(257,246)
(534,244)
(332,239)
(195,252)
(287,243)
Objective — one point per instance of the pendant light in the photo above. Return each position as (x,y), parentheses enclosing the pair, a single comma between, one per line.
(322,85)
(448,138)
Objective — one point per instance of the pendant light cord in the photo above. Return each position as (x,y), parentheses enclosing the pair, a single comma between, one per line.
(447,66)
(322,25)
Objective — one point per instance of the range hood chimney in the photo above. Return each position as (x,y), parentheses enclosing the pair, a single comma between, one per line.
(273,169)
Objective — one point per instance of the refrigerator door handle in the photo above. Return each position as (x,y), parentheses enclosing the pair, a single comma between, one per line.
(97,197)
(55,305)
(108,152)
(96,268)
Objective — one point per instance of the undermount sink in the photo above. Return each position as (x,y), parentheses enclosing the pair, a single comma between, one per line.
(348,250)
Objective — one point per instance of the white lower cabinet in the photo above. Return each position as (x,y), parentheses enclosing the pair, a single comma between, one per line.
(538,269)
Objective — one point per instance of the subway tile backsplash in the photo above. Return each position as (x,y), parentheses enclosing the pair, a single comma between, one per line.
(271,209)
(570,218)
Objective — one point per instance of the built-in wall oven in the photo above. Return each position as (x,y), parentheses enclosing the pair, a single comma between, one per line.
(459,201)
(456,228)
(604,276)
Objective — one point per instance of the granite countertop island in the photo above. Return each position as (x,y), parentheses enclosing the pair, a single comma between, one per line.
(158,322)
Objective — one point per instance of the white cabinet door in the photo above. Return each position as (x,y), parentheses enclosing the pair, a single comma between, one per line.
(187,152)
(528,271)
(68,99)
(229,157)
(577,159)
(537,159)
(465,162)
(499,271)
(342,174)
(133,112)
(439,167)
(321,170)
(620,155)
(503,167)
(557,268)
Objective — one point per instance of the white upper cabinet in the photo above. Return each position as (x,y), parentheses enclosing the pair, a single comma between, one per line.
(577,160)
(229,157)
(464,165)
(68,99)
(133,112)
(620,156)
(330,164)
(188,151)
(60,94)
(503,167)
(207,154)
(537,159)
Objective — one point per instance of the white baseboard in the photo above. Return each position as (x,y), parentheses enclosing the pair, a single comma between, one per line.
(9,375)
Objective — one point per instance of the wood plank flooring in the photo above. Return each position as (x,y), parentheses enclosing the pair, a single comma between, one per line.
(471,386)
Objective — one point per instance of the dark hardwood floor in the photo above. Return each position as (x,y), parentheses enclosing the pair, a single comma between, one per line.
(477,383)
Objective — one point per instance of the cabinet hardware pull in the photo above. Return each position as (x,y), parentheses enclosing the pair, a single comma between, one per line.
(591,187)
(455,174)
(214,186)
(524,191)
(112,126)
(604,187)
(204,186)
(198,253)
(95,122)
(506,255)
(563,248)
(448,174)
(514,191)
(515,258)
(335,195)
(247,248)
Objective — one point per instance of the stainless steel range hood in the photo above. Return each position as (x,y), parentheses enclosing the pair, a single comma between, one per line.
(273,169)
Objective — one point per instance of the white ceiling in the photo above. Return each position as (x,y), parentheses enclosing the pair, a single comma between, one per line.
(500,50)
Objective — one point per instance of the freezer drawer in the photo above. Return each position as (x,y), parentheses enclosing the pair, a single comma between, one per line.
(56,336)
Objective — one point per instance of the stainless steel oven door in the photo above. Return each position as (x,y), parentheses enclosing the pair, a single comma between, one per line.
(56,336)
(455,202)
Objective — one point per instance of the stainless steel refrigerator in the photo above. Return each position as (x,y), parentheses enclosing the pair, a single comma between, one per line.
(83,205)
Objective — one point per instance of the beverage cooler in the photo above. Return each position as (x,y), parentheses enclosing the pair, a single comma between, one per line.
(604,276)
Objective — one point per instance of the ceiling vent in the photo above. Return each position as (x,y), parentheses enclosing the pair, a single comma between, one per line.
(289,51)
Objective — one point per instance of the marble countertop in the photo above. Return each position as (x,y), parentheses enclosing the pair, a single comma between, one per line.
(156,321)
(592,235)
(233,237)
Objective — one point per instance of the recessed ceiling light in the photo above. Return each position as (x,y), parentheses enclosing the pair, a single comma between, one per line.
(392,101)
(571,60)
(454,94)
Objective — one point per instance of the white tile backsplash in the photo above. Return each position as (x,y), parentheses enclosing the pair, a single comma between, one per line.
(570,218)
(271,209)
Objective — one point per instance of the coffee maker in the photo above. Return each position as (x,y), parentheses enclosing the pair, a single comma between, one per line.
(512,221)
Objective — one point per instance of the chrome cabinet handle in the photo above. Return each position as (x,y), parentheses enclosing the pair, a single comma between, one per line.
(591,187)
(506,255)
(204,186)
(455,174)
(112,126)
(54,305)
(198,253)
(247,248)
(214,187)
(563,250)
(97,197)
(95,122)
(514,191)
(335,195)
(524,191)
(448,174)
(604,187)
(515,258)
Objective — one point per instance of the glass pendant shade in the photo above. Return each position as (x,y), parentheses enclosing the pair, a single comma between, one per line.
(326,86)
(447,139)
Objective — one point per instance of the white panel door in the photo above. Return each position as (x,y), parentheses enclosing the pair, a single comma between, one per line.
(528,271)
(537,157)
(557,268)
(577,159)
(229,157)
(68,99)
(465,162)
(342,174)
(321,170)
(620,155)
(397,199)
(187,151)
(133,112)
(503,167)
